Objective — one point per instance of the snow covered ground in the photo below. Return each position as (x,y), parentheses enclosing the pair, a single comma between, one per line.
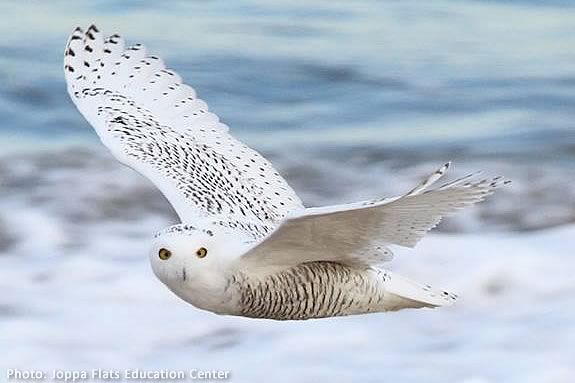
(78,293)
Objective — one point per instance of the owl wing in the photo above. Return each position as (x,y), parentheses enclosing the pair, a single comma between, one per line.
(360,233)
(156,125)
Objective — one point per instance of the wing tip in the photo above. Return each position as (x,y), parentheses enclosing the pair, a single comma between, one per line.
(93,27)
(488,184)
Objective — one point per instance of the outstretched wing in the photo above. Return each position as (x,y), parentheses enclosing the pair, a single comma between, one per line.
(359,233)
(155,124)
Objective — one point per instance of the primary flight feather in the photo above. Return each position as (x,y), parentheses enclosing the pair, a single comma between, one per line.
(246,245)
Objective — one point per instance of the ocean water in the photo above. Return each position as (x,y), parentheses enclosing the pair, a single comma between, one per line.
(350,100)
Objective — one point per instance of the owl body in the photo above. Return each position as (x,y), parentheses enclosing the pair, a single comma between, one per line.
(306,291)
(312,290)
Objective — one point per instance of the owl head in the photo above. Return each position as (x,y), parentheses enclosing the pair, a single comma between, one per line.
(187,255)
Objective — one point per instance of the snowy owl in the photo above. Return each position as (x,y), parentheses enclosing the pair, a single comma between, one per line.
(247,246)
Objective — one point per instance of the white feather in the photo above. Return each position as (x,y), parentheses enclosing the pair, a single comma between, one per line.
(359,233)
(157,125)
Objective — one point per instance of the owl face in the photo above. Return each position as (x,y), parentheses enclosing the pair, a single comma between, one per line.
(182,255)
(178,257)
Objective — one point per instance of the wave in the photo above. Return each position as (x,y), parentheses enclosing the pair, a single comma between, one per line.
(79,188)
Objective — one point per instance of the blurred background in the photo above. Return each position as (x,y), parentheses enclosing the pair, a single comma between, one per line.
(350,100)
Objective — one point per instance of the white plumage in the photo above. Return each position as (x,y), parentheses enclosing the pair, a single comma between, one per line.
(247,245)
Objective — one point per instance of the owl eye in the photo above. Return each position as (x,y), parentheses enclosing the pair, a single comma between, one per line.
(202,252)
(164,254)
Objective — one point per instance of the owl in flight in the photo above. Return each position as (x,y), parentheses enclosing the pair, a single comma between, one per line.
(247,246)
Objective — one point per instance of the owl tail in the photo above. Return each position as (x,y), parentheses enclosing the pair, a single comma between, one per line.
(401,293)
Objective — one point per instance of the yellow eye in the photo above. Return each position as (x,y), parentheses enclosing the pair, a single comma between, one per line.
(164,254)
(202,252)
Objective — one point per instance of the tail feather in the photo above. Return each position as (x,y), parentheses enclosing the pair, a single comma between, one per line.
(403,293)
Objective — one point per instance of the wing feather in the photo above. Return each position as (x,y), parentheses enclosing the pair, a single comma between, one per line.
(360,233)
(155,124)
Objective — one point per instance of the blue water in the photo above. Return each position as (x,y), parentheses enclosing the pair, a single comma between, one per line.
(322,73)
